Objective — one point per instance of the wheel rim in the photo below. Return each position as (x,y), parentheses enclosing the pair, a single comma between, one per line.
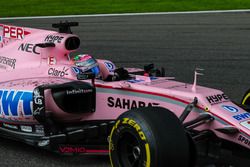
(130,152)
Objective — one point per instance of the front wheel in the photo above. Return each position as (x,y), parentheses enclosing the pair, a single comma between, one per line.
(245,102)
(149,137)
(246,98)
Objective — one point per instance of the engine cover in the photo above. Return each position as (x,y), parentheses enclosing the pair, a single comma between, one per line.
(75,97)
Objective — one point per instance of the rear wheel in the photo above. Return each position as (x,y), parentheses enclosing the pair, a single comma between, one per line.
(149,137)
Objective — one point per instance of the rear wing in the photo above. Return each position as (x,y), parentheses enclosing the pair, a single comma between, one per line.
(63,41)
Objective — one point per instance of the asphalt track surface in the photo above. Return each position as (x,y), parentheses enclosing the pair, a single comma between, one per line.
(218,43)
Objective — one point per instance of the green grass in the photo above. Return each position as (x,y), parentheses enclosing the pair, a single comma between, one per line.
(64,7)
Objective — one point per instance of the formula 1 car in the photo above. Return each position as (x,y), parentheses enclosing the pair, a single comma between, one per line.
(142,120)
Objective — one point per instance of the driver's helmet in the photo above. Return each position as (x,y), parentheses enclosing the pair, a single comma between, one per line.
(86,63)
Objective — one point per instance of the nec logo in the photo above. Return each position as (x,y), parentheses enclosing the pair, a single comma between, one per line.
(242,116)
(27,47)
(13,32)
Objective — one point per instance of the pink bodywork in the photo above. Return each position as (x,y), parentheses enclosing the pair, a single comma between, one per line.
(24,66)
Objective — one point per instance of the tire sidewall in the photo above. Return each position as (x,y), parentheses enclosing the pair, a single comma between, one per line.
(246,98)
(137,129)
(165,139)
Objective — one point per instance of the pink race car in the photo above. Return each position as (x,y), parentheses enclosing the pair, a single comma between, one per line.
(74,104)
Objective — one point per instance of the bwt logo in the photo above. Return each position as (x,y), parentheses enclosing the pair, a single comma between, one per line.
(12,101)
(243,116)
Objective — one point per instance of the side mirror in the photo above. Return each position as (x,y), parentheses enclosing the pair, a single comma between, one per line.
(86,75)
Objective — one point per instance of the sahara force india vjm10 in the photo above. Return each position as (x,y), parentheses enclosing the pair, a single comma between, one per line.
(53,99)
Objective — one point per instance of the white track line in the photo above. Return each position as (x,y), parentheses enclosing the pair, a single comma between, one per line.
(128,14)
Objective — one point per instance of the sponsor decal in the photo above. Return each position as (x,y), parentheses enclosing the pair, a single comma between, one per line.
(215,99)
(69,149)
(110,66)
(58,73)
(13,32)
(72,149)
(10,126)
(30,48)
(78,91)
(53,39)
(51,60)
(133,123)
(11,102)
(38,99)
(38,111)
(135,81)
(26,128)
(8,61)
(127,103)
(145,79)
(246,124)
(230,108)
(244,140)
(242,116)
(39,129)
(76,70)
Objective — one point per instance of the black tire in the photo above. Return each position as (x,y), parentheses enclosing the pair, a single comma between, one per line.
(149,137)
(246,98)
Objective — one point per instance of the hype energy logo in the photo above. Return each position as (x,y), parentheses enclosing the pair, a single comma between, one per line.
(15,103)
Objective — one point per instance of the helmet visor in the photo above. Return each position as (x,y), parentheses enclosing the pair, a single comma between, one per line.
(87,64)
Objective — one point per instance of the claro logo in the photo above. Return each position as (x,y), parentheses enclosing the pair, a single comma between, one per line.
(58,73)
